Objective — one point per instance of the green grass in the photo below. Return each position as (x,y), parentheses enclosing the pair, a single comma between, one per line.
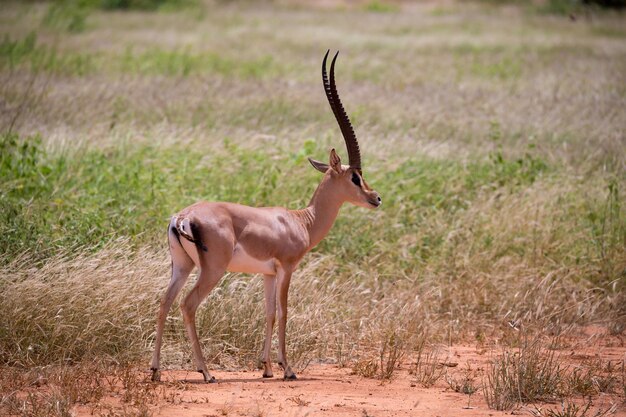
(84,199)
(55,201)
(27,53)
(35,56)
(378,6)
(608,31)
(184,63)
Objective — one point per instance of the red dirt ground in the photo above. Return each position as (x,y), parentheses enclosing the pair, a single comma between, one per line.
(328,390)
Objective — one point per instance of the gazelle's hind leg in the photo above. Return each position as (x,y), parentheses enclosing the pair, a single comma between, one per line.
(181,268)
(207,280)
(270,316)
(212,267)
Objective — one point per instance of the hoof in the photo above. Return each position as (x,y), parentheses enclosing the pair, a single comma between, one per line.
(156,375)
(268,375)
(208,379)
(291,377)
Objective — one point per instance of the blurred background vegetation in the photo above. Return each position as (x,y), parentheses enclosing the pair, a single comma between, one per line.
(72,14)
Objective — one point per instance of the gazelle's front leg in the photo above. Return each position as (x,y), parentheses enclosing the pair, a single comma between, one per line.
(270,316)
(284,277)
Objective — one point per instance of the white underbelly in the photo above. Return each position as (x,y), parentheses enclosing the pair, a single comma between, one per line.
(240,262)
(243,262)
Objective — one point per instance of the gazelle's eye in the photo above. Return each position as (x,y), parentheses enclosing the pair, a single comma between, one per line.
(356,180)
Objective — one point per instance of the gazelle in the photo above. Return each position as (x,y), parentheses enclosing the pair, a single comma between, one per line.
(220,237)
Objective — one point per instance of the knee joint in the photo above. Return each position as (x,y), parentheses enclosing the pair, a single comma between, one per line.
(187,313)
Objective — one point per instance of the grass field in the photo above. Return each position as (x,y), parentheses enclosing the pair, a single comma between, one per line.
(495,135)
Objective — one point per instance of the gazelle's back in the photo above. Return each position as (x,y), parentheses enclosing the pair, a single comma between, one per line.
(257,238)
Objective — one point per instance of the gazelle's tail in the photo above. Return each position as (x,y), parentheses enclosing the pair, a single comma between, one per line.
(182,226)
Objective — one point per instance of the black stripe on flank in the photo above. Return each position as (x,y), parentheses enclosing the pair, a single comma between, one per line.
(195,230)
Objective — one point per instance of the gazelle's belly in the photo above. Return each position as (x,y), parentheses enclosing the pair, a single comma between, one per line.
(243,262)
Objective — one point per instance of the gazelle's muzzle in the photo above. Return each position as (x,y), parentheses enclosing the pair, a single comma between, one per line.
(375,199)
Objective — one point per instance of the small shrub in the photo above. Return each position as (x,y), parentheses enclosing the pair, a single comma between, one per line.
(569,409)
(384,364)
(391,354)
(366,367)
(607,380)
(428,368)
(581,382)
(525,376)
(593,378)
(466,384)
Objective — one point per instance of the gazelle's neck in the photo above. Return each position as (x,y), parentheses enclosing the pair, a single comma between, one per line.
(321,212)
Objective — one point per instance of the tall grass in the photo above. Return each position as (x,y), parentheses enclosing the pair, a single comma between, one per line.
(36,57)
(55,391)
(60,200)
(524,376)
(83,243)
(30,53)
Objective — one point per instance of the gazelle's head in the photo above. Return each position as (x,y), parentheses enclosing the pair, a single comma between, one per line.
(346,179)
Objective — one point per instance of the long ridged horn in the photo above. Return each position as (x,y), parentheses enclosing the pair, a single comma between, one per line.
(352,145)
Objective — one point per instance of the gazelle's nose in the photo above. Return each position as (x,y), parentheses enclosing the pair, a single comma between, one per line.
(375,200)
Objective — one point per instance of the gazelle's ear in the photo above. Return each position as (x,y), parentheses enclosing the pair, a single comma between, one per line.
(320,166)
(335,161)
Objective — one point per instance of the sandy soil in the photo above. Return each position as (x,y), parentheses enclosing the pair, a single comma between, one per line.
(320,390)
(329,390)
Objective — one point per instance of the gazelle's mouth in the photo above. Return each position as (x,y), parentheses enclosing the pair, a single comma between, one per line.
(375,203)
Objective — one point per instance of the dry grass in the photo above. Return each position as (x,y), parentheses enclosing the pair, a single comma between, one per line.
(428,368)
(385,358)
(56,390)
(533,374)
(570,409)
(525,376)
(415,77)
(299,401)
(83,326)
(595,377)
(465,383)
